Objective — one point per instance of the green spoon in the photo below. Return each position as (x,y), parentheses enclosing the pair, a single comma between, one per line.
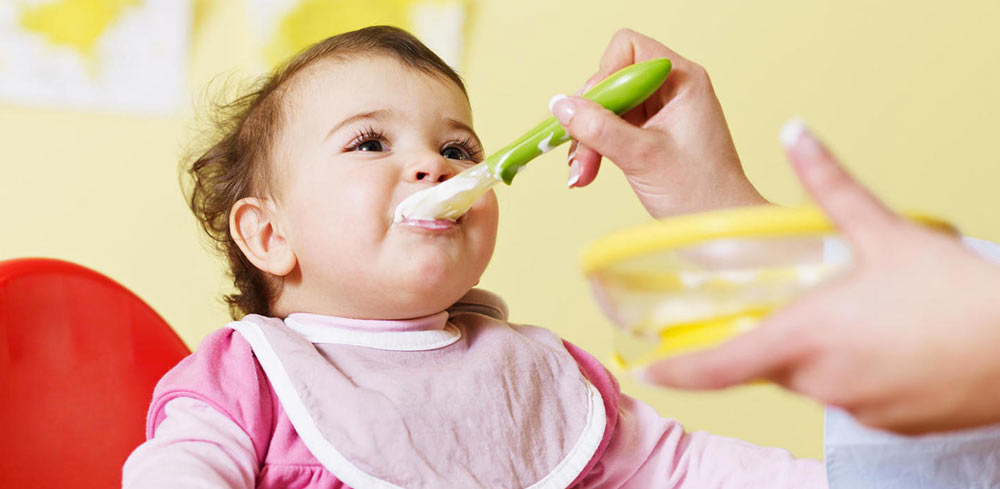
(620,92)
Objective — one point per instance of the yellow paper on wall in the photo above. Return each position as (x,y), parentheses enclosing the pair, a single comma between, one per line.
(287,27)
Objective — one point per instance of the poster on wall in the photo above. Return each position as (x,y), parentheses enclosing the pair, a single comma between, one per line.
(285,27)
(127,56)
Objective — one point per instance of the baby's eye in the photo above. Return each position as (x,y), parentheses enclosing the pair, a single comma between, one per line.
(370,145)
(465,150)
(455,153)
(368,139)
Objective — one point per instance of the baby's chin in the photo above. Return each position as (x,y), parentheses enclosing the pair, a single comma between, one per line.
(449,269)
(422,296)
(408,303)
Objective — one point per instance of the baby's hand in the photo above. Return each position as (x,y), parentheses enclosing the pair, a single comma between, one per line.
(906,341)
(675,148)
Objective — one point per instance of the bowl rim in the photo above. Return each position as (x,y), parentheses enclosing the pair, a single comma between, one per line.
(741,222)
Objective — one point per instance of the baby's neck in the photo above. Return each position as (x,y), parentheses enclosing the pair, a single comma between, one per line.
(383,309)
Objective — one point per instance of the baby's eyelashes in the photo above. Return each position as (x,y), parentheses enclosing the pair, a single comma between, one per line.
(466,149)
(454,154)
(368,139)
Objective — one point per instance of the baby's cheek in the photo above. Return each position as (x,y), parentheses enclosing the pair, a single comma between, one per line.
(487,208)
(485,235)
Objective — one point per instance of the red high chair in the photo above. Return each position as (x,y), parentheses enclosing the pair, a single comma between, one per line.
(79,357)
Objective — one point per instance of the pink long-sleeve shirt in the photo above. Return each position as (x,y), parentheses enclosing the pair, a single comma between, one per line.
(395,403)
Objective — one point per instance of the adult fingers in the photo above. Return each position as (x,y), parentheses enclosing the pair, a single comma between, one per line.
(593,80)
(628,47)
(584,163)
(856,211)
(602,131)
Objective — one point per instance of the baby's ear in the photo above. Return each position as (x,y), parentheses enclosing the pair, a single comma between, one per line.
(252,225)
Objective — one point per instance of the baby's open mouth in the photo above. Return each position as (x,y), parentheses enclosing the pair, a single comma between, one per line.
(432,224)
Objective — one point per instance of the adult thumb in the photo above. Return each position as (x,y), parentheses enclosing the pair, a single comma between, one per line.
(603,131)
(858,214)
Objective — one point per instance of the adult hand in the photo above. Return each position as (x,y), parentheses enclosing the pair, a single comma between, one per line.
(675,149)
(906,341)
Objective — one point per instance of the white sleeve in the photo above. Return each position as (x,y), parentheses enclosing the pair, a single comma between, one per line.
(858,457)
(836,250)
(195,446)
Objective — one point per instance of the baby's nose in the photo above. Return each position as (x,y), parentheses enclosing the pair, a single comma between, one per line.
(434,169)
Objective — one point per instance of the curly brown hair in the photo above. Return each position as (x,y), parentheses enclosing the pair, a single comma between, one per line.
(237,162)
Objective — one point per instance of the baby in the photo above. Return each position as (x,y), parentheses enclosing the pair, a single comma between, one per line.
(362,355)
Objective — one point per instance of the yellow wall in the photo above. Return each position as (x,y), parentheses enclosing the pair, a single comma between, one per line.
(905,92)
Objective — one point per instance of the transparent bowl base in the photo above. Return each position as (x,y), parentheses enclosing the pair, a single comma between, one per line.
(632,349)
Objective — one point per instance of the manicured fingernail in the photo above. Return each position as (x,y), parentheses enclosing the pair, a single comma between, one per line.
(574,173)
(555,98)
(562,107)
(641,374)
(796,134)
(572,154)
(792,131)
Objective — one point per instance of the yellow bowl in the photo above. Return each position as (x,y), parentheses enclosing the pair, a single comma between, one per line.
(694,281)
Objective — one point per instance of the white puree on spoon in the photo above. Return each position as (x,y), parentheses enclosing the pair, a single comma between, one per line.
(450,199)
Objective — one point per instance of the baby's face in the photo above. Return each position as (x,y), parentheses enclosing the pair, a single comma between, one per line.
(360,136)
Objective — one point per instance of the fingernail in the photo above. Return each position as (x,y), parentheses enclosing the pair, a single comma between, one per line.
(562,107)
(574,173)
(792,131)
(572,154)
(796,134)
(641,374)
